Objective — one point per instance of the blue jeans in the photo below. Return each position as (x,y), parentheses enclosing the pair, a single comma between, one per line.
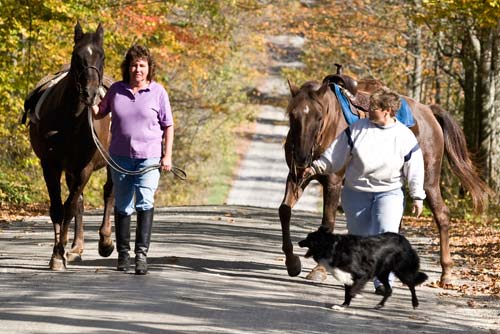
(142,187)
(372,213)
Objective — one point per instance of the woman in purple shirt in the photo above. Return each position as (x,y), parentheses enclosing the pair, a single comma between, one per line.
(142,134)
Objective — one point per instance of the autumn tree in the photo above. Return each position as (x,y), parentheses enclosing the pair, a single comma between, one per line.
(443,52)
(470,32)
(198,52)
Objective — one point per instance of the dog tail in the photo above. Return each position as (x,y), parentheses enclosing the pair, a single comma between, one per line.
(421,278)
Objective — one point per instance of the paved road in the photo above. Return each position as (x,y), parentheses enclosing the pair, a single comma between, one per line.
(213,270)
(262,174)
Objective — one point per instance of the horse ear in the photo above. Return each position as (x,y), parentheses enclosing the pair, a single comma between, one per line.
(294,90)
(78,32)
(100,33)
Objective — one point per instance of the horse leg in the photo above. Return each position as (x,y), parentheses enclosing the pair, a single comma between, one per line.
(73,208)
(75,253)
(106,245)
(441,214)
(332,185)
(292,194)
(442,218)
(52,175)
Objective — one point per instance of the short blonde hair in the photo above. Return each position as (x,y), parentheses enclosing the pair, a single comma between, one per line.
(383,98)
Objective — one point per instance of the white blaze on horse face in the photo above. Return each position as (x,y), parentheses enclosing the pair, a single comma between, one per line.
(89,49)
(306,110)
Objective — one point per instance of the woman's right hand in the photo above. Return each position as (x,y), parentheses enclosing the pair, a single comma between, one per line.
(308,172)
(95,110)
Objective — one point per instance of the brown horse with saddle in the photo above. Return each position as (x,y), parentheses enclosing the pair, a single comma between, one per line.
(61,137)
(313,131)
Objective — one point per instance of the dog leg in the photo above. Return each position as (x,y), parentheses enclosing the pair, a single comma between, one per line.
(388,293)
(347,295)
(414,299)
(352,290)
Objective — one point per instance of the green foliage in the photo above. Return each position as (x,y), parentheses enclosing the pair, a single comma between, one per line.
(462,13)
(16,188)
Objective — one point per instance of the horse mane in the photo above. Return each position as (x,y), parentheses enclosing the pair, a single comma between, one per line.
(332,117)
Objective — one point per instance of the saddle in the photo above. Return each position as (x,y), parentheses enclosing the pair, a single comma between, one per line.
(354,97)
(37,95)
(349,86)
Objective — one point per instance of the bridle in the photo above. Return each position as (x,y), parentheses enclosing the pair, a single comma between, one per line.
(79,86)
(309,159)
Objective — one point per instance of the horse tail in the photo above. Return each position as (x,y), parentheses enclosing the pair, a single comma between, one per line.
(460,159)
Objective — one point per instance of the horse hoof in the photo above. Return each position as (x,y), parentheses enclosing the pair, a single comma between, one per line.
(106,250)
(74,257)
(318,274)
(57,264)
(293,266)
(447,278)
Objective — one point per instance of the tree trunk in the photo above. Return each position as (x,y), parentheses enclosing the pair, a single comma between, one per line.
(490,134)
(468,85)
(414,48)
(484,97)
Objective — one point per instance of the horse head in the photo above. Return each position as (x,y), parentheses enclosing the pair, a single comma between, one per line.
(87,65)
(309,113)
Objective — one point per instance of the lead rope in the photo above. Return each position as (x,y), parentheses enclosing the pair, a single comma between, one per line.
(113,164)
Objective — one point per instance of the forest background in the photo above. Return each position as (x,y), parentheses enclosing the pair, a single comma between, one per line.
(208,54)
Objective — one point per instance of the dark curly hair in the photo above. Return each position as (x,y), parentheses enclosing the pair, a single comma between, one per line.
(134,53)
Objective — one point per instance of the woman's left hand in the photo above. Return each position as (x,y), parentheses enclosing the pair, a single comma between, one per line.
(418,207)
(166,164)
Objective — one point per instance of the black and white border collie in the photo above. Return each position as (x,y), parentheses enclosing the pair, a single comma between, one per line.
(355,260)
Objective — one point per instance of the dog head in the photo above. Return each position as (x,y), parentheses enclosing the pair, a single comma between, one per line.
(318,242)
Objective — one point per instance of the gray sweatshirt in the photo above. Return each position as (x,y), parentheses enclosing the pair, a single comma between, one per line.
(377,159)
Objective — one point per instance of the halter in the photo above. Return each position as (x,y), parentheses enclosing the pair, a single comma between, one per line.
(310,157)
(79,86)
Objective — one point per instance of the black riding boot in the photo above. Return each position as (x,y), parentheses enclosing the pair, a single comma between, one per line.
(142,240)
(122,232)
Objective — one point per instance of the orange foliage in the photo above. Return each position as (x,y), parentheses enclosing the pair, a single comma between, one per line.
(475,249)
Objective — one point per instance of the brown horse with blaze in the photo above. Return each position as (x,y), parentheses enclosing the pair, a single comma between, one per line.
(316,119)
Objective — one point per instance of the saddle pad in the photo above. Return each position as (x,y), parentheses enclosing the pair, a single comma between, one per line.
(404,114)
(51,84)
(345,104)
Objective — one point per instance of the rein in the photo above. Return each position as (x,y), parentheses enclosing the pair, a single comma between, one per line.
(113,164)
(317,143)
(294,168)
(79,87)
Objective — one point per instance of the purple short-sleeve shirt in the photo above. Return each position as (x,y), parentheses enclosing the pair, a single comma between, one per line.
(138,120)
